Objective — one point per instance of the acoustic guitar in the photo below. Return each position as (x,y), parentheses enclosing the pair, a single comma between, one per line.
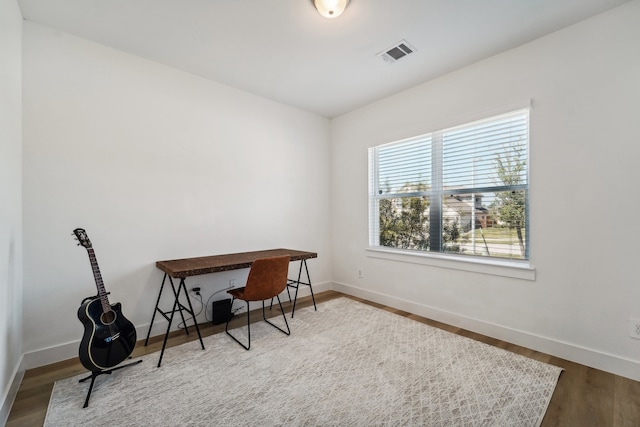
(109,337)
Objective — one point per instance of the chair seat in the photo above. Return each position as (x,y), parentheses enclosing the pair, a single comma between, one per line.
(237,293)
(240,293)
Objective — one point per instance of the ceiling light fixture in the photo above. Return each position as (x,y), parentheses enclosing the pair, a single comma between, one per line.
(331,8)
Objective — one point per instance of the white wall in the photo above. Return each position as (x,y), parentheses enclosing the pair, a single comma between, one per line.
(585,144)
(159,164)
(11,203)
(155,164)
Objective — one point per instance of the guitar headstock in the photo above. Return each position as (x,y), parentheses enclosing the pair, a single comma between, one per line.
(81,236)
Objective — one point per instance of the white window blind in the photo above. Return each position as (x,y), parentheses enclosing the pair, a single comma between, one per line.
(469,152)
(405,167)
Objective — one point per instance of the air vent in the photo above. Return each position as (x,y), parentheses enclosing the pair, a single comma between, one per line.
(396,52)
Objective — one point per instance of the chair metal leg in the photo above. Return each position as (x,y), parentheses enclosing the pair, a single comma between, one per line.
(264,317)
(290,300)
(288,331)
(226,328)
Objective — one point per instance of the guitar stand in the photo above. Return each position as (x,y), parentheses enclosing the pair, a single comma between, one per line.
(95,374)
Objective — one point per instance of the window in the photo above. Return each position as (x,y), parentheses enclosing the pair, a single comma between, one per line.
(461,191)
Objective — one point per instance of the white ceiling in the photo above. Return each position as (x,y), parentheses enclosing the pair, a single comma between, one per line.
(284,50)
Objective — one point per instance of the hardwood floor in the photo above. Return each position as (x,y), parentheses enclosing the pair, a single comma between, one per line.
(583,397)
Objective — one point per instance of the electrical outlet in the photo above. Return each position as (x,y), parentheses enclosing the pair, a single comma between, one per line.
(232,283)
(196,290)
(634,328)
(360,274)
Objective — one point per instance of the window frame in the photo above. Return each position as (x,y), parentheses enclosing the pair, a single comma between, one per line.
(512,267)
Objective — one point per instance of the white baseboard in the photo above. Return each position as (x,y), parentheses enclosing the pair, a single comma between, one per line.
(10,395)
(69,350)
(593,358)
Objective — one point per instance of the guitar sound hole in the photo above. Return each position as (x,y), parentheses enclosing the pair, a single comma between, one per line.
(108,317)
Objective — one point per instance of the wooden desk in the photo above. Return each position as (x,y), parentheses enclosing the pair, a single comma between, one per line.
(186,267)
(180,268)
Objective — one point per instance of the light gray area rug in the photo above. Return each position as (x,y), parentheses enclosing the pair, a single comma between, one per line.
(348,364)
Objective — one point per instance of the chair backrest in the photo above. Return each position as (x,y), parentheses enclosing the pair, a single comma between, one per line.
(267,278)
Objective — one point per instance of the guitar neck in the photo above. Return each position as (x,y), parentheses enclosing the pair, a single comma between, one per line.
(102,293)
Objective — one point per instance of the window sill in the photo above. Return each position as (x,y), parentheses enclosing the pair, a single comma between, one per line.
(507,268)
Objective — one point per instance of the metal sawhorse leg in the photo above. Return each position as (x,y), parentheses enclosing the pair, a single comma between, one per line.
(296,284)
(177,306)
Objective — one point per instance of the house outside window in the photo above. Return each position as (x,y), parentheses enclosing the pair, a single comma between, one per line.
(462,191)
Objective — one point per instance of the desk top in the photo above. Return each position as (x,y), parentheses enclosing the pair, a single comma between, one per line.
(211,264)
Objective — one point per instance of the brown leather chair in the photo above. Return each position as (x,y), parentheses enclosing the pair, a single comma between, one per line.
(267,279)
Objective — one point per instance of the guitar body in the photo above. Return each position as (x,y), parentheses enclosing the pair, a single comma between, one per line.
(109,337)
